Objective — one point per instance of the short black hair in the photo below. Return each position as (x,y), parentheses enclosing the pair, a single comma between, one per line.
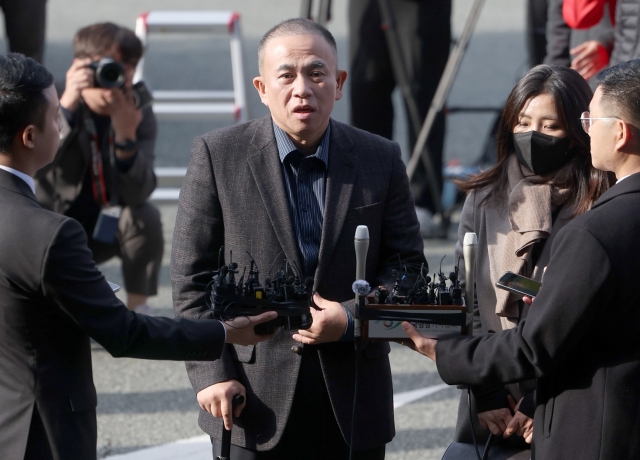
(22,100)
(620,87)
(296,26)
(98,39)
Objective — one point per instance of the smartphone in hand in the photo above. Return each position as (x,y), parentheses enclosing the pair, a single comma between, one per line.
(519,284)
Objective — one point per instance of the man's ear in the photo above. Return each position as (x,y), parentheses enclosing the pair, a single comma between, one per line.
(27,138)
(341,77)
(625,137)
(258,83)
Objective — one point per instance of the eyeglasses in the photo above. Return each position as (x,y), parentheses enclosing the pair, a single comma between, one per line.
(587,121)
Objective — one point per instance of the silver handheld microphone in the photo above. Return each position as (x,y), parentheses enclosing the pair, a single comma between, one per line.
(469,250)
(361,243)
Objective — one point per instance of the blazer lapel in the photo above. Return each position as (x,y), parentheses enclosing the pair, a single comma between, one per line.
(341,177)
(267,172)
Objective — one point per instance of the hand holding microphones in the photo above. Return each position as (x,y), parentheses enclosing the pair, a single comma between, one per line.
(240,330)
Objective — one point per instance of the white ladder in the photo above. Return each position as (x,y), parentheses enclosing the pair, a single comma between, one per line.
(186,104)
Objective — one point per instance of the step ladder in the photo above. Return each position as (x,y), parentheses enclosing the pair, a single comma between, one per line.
(186,104)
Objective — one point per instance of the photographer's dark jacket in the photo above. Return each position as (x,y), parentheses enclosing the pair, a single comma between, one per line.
(63,183)
(234,194)
(580,338)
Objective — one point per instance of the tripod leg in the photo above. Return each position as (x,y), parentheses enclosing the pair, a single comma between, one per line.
(444,86)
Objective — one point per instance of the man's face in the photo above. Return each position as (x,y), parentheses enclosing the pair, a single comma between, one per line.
(98,99)
(47,139)
(300,83)
(603,141)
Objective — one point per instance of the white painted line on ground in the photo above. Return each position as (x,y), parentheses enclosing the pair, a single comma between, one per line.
(199,448)
(407,397)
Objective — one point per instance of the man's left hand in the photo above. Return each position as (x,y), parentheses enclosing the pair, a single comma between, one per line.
(422,345)
(328,325)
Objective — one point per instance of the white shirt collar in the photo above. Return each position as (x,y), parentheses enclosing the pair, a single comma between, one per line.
(622,178)
(25,177)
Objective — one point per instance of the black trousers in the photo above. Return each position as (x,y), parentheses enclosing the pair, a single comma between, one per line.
(139,244)
(424,32)
(25,26)
(311,432)
(536,31)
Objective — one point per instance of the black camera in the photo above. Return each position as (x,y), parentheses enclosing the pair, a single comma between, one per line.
(283,293)
(109,73)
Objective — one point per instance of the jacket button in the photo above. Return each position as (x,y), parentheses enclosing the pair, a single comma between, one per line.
(297,349)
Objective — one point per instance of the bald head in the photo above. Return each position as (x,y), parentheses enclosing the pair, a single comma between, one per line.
(296,26)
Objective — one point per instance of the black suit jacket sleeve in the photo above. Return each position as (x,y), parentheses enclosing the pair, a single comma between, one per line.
(577,287)
(71,280)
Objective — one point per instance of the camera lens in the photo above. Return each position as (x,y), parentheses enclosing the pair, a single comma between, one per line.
(110,74)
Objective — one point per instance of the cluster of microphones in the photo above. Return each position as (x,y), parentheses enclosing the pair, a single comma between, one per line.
(425,291)
(232,296)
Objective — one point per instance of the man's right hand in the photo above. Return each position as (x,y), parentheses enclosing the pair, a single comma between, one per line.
(79,77)
(216,399)
(240,330)
(495,420)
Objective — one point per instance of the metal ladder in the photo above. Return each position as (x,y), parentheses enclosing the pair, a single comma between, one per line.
(188,104)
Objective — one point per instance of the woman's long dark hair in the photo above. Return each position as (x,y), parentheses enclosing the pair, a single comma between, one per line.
(571,95)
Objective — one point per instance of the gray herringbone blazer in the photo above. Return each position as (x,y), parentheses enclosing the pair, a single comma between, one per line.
(234,194)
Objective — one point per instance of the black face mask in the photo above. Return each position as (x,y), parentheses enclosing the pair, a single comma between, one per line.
(541,153)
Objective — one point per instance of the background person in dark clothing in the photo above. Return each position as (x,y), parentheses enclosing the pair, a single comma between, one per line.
(623,14)
(424,33)
(103,126)
(24,25)
(53,298)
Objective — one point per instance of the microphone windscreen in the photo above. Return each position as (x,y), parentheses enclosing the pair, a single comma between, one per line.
(361,287)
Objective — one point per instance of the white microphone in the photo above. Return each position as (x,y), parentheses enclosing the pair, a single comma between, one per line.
(361,243)
(469,251)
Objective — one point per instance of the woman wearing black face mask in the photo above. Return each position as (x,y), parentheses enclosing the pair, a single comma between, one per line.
(543,178)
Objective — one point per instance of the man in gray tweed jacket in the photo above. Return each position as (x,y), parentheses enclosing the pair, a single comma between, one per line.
(295,185)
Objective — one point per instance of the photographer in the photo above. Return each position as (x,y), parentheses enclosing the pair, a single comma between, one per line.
(102,175)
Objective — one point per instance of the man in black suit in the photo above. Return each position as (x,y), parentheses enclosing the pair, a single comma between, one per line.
(580,339)
(52,296)
(295,185)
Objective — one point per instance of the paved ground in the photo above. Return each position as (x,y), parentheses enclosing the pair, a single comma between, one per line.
(145,403)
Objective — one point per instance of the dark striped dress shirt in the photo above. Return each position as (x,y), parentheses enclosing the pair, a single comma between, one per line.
(305,178)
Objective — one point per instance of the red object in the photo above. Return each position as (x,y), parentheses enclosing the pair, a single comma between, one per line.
(144,17)
(232,22)
(582,14)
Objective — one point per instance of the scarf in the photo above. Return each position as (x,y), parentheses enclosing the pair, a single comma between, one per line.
(531,202)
